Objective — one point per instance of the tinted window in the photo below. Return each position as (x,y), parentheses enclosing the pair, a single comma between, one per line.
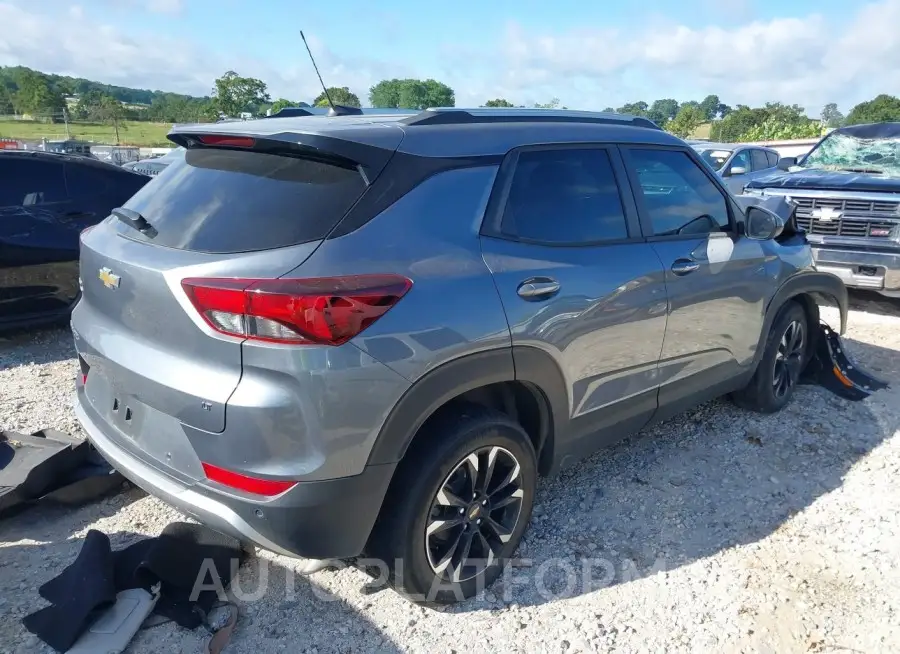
(86,181)
(741,160)
(677,194)
(773,159)
(25,182)
(760,162)
(564,196)
(233,201)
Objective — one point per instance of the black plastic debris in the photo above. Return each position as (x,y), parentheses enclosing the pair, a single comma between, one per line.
(831,367)
(53,466)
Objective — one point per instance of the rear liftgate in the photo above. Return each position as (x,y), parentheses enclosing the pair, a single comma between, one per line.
(831,367)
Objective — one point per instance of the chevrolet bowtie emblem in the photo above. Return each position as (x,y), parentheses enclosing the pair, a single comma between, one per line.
(109,278)
(826,214)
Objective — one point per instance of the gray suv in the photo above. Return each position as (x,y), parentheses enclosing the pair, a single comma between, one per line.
(738,164)
(351,336)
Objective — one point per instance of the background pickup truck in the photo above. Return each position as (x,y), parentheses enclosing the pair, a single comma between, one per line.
(846,191)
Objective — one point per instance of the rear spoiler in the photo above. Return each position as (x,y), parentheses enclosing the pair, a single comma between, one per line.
(369,158)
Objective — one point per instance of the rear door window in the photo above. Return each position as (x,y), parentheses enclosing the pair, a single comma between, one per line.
(222,201)
(567,196)
(760,162)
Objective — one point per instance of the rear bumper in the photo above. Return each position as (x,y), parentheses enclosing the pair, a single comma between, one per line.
(321,519)
(869,269)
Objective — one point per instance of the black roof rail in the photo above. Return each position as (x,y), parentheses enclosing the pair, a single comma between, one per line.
(344,110)
(290,112)
(461,116)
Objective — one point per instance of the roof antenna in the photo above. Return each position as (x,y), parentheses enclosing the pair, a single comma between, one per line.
(336,109)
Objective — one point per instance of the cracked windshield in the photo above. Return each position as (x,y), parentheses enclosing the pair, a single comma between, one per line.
(855,154)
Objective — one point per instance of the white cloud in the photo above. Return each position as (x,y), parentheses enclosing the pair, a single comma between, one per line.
(160,62)
(166,6)
(808,60)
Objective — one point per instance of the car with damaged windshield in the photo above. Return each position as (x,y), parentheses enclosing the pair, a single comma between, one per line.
(737,163)
(367,336)
(846,191)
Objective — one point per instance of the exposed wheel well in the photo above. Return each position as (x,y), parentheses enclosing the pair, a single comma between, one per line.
(521,401)
(808,303)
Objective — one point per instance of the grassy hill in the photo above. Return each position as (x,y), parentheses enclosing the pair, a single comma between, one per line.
(144,134)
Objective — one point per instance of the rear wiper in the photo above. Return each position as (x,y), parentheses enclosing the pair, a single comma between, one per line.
(135,220)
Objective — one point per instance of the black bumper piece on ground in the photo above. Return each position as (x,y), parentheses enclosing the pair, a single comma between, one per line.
(832,368)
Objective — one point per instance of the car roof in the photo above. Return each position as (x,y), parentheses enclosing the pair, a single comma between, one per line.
(730,147)
(67,157)
(451,132)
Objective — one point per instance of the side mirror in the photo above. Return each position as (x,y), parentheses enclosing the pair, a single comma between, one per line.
(737,170)
(762,224)
(785,163)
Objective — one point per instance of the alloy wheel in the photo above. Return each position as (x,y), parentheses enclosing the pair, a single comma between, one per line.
(474,514)
(789,359)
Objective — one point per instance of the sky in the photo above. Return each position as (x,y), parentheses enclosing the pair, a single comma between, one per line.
(589,55)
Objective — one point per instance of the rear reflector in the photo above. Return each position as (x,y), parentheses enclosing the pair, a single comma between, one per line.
(227,141)
(324,311)
(268,487)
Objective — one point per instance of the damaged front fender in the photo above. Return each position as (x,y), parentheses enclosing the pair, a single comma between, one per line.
(831,367)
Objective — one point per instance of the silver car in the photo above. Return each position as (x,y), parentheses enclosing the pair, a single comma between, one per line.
(737,164)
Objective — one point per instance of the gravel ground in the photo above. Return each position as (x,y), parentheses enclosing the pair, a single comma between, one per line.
(717,531)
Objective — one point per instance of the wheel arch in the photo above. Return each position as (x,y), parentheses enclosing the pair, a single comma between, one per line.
(809,289)
(523,382)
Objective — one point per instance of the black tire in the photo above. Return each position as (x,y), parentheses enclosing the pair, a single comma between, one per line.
(433,462)
(780,366)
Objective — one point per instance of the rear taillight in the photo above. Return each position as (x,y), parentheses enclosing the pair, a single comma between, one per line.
(326,311)
(267,487)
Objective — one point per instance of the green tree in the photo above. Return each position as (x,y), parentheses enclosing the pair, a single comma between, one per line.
(686,121)
(609,110)
(662,111)
(35,96)
(411,94)
(339,95)
(553,104)
(280,104)
(109,110)
(499,102)
(884,108)
(7,106)
(634,109)
(732,128)
(87,104)
(235,94)
(832,116)
(775,121)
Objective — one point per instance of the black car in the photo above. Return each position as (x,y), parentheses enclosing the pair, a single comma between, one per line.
(46,201)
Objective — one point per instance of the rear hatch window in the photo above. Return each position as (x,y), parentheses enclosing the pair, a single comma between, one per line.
(225,201)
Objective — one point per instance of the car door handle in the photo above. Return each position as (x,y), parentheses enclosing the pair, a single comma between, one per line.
(538,288)
(684,266)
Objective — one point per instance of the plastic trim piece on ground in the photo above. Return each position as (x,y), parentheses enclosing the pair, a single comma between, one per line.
(831,367)
(51,466)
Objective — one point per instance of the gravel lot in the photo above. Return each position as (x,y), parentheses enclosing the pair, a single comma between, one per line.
(717,531)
